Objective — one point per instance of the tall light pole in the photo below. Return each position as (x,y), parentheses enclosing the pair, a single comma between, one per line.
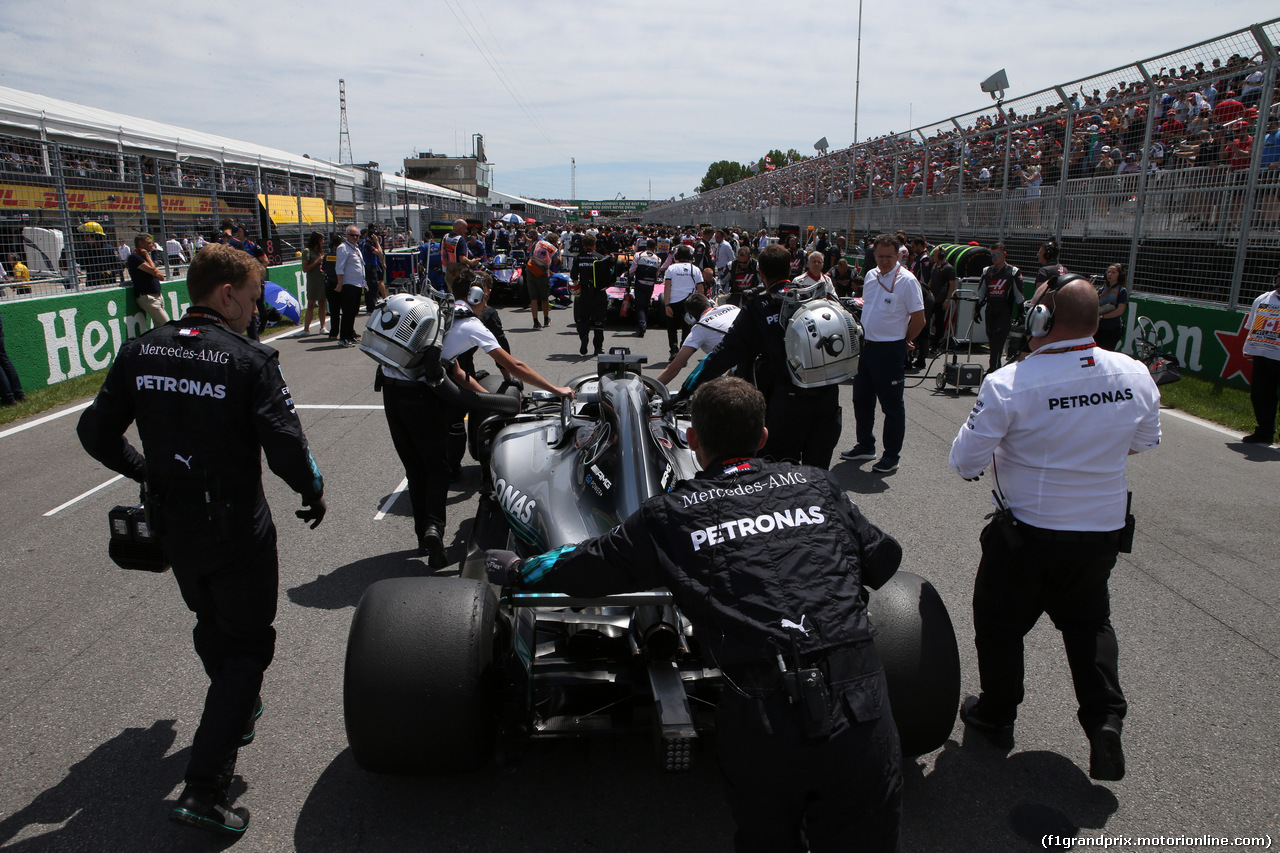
(857,76)
(573,179)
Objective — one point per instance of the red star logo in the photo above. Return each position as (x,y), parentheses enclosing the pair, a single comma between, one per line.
(1233,343)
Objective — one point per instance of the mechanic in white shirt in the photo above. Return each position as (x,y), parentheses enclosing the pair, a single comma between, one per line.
(419,420)
(679,283)
(892,314)
(1263,346)
(1056,429)
(712,324)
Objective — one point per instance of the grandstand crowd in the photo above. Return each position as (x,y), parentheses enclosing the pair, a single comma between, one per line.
(1203,115)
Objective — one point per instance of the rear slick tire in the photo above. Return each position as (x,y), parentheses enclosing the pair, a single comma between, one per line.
(418,687)
(917,646)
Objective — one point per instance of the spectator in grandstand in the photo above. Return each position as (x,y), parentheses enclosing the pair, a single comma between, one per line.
(146,280)
(1113,299)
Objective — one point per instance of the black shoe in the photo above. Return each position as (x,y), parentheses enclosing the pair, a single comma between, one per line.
(1106,757)
(972,714)
(599,351)
(209,810)
(251,729)
(455,474)
(20,396)
(1256,438)
(582,350)
(431,546)
(546,321)
(638,334)
(536,324)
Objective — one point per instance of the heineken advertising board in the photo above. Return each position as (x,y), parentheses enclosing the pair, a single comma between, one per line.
(54,338)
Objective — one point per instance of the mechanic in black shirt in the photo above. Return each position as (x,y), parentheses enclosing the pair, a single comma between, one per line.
(594,274)
(208,402)
(804,423)
(757,589)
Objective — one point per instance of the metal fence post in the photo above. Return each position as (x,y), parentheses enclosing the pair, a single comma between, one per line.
(1143,171)
(1255,163)
(164,248)
(1004,188)
(142,196)
(67,230)
(1061,218)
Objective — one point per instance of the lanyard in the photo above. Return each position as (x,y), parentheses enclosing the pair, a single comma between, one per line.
(207,315)
(880,279)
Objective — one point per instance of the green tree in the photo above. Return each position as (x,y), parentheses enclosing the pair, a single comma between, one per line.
(774,158)
(722,170)
(794,156)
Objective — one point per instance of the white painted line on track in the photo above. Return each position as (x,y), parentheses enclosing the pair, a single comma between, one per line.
(387,504)
(58,509)
(46,419)
(352,407)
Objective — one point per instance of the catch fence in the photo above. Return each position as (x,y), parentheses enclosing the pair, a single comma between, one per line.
(1170,166)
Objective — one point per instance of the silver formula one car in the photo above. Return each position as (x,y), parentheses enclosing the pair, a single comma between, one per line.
(442,674)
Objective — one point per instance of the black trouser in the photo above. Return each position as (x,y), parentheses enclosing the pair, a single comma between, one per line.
(880,378)
(588,316)
(677,327)
(349,303)
(1067,580)
(921,352)
(1262,393)
(642,295)
(420,424)
(841,792)
(372,292)
(804,424)
(334,302)
(997,334)
(935,322)
(234,606)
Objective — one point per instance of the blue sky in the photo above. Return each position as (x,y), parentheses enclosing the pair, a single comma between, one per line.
(635,92)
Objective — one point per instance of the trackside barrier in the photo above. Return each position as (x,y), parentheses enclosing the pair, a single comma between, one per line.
(55,338)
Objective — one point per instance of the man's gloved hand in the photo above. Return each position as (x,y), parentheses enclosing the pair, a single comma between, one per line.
(974,479)
(313,513)
(502,567)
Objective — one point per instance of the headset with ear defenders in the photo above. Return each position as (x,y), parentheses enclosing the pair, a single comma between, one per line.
(1039,318)
(475,296)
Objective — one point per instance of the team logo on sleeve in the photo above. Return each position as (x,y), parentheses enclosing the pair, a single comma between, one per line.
(189,333)
(1086,361)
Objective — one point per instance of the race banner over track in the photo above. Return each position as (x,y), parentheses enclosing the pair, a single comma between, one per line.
(55,338)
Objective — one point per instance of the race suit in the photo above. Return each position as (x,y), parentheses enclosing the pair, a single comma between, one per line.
(768,560)
(208,402)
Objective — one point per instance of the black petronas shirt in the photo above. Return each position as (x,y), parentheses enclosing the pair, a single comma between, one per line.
(208,403)
(744,547)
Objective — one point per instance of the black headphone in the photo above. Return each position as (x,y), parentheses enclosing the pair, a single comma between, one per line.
(1039,318)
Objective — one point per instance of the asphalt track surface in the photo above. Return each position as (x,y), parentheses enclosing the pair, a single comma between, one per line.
(100,690)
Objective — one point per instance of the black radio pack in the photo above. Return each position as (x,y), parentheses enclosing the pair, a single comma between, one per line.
(133,544)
